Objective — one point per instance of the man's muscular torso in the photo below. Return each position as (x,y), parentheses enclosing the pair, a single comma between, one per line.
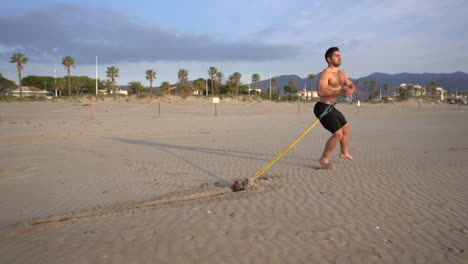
(337,79)
(334,83)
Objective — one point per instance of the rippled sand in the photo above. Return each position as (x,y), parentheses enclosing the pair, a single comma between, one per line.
(147,181)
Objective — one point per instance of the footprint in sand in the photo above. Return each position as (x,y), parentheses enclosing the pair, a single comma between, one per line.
(24,170)
(459,229)
(340,243)
(329,166)
(369,254)
(299,234)
(453,250)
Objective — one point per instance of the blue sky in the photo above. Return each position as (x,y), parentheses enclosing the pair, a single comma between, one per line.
(254,36)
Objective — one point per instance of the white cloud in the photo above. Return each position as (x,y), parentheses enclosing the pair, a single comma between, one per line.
(8,50)
(83,32)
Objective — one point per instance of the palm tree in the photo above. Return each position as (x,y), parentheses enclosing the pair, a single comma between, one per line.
(237,77)
(292,83)
(386,88)
(108,85)
(433,90)
(366,85)
(19,59)
(136,87)
(357,83)
(410,90)
(68,62)
(232,84)
(112,73)
(255,79)
(212,73)
(199,85)
(182,74)
(151,76)
(310,77)
(165,86)
(274,82)
(220,77)
(373,88)
(291,87)
(61,85)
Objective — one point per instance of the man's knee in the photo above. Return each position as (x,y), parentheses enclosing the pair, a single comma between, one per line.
(339,133)
(346,129)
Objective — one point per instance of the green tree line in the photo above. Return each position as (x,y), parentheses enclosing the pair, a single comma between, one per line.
(216,83)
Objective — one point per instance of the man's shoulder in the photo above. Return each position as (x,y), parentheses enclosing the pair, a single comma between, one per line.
(325,73)
(342,72)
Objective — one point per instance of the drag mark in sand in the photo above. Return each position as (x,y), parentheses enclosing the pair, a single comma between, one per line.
(206,193)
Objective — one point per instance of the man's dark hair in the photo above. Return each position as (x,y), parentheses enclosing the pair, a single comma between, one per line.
(330,51)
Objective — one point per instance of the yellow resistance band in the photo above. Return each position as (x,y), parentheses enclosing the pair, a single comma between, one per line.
(260,172)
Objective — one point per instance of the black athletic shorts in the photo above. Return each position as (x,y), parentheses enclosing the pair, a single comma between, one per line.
(332,121)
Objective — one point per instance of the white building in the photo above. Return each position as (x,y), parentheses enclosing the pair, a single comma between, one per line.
(117,91)
(29,91)
(416,90)
(307,95)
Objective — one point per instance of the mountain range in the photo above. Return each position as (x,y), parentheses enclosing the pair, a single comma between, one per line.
(450,81)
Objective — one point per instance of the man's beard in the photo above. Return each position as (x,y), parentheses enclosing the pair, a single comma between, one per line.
(335,64)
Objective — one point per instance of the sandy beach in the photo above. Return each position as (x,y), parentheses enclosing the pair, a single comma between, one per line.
(147,181)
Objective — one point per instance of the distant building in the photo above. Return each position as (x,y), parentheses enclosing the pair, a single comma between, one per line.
(171,90)
(257,91)
(117,91)
(416,90)
(30,91)
(457,99)
(413,90)
(121,92)
(307,95)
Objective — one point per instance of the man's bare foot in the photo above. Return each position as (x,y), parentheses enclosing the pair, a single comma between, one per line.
(346,156)
(323,161)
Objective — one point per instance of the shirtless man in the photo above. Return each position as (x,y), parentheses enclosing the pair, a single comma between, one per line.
(332,83)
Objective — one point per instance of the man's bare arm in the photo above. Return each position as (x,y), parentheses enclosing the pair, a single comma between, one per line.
(350,87)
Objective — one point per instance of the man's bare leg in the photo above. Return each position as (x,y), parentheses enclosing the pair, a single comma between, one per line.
(344,143)
(330,146)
